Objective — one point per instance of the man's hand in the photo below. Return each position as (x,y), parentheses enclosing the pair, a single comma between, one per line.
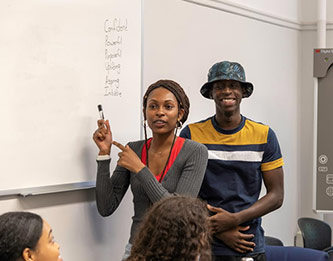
(236,240)
(222,220)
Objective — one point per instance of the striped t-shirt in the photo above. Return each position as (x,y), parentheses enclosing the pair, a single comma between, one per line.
(236,160)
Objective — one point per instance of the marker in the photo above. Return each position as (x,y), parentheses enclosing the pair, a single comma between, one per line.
(100,110)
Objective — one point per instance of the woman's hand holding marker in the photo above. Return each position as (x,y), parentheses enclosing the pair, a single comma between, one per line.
(103,137)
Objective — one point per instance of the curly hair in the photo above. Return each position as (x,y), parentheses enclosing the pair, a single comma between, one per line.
(18,230)
(176,89)
(174,228)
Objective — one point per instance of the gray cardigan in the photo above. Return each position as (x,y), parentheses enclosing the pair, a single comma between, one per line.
(184,177)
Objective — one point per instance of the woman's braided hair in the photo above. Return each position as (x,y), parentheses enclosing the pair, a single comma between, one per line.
(175,228)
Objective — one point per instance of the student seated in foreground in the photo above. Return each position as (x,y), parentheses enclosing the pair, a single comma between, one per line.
(25,236)
(175,228)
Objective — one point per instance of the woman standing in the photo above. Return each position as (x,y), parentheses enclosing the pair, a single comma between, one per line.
(158,167)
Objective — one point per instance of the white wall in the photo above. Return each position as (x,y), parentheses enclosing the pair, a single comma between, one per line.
(284,8)
(308,11)
(185,47)
(306,125)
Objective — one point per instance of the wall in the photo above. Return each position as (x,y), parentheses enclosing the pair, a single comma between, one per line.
(284,8)
(308,15)
(309,42)
(184,47)
(308,11)
(329,43)
(306,125)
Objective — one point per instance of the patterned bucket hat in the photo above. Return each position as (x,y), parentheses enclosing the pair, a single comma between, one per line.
(226,71)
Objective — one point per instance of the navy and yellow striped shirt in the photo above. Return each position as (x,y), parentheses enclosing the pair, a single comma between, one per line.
(236,160)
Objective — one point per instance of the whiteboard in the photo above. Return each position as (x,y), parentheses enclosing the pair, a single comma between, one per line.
(58,60)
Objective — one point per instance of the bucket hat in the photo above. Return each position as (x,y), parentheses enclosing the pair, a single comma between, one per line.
(226,71)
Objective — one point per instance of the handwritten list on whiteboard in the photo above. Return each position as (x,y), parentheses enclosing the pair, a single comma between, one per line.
(58,60)
(114,30)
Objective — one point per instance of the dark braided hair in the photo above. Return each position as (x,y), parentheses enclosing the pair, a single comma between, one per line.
(18,230)
(183,103)
(175,228)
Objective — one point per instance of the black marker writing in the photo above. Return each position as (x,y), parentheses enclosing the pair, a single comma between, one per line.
(115,30)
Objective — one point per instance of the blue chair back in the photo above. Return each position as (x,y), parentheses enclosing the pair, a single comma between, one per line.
(289,253)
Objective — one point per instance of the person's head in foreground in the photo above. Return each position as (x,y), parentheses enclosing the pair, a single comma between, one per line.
(25,236)
(174,228)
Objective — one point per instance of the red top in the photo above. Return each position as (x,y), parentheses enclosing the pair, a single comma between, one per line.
(175,150)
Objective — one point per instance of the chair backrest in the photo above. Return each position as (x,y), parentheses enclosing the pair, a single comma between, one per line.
(316,233)
(282,253)
(273,241)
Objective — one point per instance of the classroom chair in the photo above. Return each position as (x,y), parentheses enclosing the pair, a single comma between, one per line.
(316,234)
(273,241)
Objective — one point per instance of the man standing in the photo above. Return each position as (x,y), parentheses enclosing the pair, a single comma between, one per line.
(242,153)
